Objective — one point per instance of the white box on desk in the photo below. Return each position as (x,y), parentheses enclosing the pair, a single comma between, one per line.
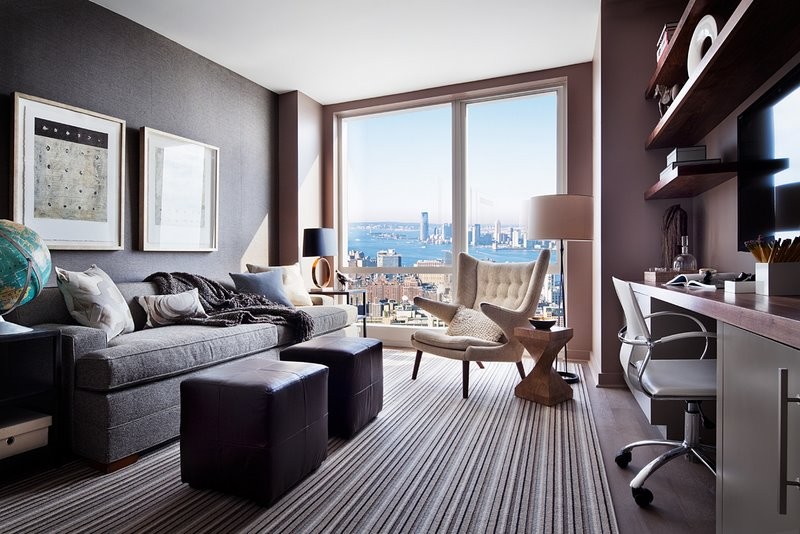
(22,430)
(739,287)
(778,278)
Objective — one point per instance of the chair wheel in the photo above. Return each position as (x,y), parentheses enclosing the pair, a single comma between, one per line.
(642,496)
(623,458)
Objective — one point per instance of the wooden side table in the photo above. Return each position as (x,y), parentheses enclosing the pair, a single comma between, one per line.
(543,384)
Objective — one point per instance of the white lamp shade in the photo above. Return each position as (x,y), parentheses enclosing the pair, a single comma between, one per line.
(567,217)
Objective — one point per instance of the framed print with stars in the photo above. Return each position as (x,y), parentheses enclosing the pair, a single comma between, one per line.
(69,174)
(178,193)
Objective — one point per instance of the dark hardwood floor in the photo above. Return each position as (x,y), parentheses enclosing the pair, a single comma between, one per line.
(684,492)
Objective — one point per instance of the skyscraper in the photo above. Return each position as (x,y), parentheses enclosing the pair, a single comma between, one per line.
(476,235)
(389,258)
(424,231)
(497,231)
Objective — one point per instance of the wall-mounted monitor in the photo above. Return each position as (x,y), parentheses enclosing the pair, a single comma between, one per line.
(769,163)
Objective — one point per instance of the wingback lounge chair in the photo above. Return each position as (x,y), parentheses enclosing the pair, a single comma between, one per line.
(488,295)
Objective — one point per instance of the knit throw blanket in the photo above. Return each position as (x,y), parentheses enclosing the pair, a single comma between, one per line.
(227,307)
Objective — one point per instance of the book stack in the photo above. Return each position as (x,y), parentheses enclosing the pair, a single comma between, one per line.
(690,155)
(665,38)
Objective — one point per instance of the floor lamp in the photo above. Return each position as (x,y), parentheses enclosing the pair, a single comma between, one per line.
(566,218)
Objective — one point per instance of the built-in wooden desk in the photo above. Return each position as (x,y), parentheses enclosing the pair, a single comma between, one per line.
(777,318)
(757,337)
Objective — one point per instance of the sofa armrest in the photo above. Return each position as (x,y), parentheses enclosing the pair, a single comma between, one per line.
(322,300)
(75,342)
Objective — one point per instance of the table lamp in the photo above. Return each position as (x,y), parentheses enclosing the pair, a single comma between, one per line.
(320,242)
(566,218)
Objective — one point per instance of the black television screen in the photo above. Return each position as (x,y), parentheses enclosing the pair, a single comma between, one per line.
(769,163)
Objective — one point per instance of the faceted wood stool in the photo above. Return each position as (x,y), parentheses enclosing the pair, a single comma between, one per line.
(543,384)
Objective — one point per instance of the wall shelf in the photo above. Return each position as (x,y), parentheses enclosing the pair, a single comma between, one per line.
(758,39)
(691,180)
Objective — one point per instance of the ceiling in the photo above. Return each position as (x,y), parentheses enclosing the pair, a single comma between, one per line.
(340,50)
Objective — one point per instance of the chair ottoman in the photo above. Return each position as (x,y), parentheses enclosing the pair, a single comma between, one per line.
(355,382)
(254,428)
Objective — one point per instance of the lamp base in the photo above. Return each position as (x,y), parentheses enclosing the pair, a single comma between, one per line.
(325,272)
(569,378)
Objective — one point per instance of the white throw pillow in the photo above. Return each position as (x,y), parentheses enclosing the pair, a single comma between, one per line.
(94,300)
(163,310)
(293,284)
(469,322)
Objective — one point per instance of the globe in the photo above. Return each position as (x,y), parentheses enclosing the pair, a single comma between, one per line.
(24,265)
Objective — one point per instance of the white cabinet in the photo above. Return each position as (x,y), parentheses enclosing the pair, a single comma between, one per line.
(747,411)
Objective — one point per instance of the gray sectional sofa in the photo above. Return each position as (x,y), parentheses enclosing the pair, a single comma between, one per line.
(122,397)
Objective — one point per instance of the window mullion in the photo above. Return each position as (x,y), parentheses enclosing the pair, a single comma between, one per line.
(459,115)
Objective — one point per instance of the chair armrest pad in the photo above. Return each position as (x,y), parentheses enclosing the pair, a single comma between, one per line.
(441,310)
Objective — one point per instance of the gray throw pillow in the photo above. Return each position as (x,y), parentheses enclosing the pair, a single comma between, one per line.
(268,284)
(472,323)
(93,299)
(163,310)
(293,283)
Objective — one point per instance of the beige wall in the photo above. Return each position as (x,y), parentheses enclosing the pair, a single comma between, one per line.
(579,169)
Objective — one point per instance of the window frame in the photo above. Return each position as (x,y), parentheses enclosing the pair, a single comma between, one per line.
(458,104)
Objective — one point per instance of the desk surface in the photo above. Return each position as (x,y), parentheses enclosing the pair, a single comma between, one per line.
(777,318)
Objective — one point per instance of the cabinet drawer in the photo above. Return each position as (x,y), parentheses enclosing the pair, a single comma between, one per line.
(22,431)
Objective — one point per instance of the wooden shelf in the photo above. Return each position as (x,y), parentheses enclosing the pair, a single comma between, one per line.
(671,67)
(691,180)
(758,39)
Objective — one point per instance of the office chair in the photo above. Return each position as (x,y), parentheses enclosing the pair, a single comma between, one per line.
(690,380)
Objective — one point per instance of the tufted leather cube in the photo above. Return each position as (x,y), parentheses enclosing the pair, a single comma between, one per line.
(355,383)
(255,427)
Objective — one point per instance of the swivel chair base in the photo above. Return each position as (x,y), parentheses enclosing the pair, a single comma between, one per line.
(690,446)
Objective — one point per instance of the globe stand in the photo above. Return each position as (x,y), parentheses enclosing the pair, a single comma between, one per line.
(7,329)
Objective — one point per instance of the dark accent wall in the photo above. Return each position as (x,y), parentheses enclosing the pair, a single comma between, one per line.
(78,53)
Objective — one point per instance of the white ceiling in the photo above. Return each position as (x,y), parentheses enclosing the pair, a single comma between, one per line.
(340,50)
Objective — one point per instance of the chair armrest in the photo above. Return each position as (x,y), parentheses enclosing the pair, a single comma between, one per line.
(507,319)
(441,310)
(677,314)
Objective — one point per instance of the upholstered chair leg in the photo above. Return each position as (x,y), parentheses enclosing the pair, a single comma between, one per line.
(480,364)
(521,369)
(466,380)
(416,365)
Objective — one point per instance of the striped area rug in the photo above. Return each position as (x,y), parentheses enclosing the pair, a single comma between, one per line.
(430,462)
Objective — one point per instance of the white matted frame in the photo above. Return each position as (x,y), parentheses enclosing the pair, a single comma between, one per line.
(179,191)
(69,174)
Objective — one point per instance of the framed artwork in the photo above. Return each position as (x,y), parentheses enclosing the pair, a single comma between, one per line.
(179,193)
(69,174)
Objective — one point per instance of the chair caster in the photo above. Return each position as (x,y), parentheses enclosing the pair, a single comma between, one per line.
(642,496)
(623,458)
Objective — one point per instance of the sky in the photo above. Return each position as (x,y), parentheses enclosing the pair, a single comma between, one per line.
(398,164)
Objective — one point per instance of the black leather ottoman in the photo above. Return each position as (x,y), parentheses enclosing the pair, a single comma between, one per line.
(355,382)
(254,428)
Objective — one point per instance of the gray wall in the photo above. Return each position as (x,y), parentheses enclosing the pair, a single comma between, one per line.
(78,53)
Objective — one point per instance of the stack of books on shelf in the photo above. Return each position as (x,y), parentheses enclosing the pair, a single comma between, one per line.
(665,38)
(690,155)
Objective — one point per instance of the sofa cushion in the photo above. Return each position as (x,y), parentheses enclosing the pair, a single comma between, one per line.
(163,310)
(93,300)
(152,354)
(326,319)
(268,283)
(293,283)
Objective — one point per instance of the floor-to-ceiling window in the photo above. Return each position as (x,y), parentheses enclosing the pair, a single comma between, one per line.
(418,185)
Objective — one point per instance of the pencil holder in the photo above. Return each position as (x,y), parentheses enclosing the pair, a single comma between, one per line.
(778,278)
